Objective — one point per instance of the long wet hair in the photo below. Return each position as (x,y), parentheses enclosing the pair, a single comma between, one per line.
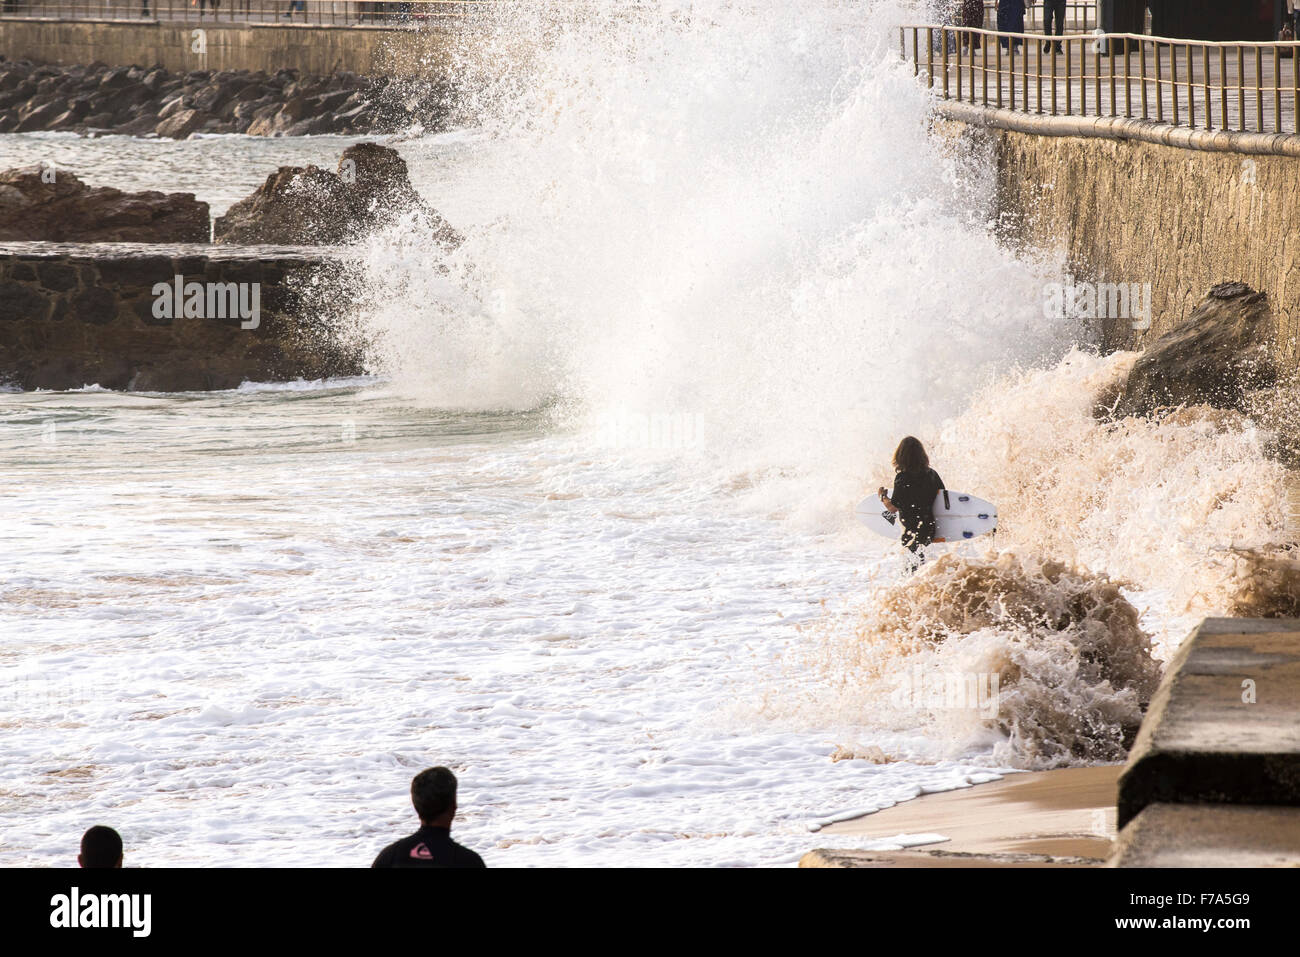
(910,456)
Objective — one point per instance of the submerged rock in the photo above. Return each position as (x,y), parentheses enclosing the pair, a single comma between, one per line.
(1217,357)
(43,203)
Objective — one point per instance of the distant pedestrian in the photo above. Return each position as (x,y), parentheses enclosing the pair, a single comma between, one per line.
(1011,19)
(1053,9)
(302,8)
(100,847)
(433,793)
(970,13)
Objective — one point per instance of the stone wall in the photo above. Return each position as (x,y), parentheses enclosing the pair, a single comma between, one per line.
(1182,218)
(74,315)
(373,51)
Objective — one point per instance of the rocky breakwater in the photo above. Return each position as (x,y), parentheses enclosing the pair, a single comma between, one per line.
(141,101)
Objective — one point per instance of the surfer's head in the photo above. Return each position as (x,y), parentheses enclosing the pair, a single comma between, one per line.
(910,456)
(433,792)
(100,847)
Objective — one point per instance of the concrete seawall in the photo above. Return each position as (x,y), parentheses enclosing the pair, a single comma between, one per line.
(373,51)
(1213,779)
(74,315)
(1127,202)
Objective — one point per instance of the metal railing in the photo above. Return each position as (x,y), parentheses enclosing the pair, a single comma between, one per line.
(389,13)
(1240,86)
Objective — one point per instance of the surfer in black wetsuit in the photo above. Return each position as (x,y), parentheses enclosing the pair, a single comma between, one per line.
(915,487)
(433,792)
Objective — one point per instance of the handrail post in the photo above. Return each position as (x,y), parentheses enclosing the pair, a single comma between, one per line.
(1069,85)
(1191,89)
(1142,69)
(957,34)
(1277,90)
(1223,88)
(1295,85)
(1259,87)
(1173,78)
(1128,87)
(1096,74)
(1024,75)
(943,35)
(1038,74)
(1083,78)
(971,49)
(1110,58)
(916,53)
(1209,102)
(984,67)
(929,55)
(1241,87)
(1053,78)
(1160,87)
(997,64)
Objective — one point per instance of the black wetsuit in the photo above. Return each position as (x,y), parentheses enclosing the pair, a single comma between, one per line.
(914,495)
(428,847)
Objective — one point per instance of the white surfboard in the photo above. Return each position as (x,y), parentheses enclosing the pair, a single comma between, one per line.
(957,516)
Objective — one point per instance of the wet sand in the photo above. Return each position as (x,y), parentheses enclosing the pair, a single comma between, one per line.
(1066,813)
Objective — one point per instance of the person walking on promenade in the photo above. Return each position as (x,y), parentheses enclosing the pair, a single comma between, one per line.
(1011,19)
(1053,9)
(433,793)
(101,847)
(970,13)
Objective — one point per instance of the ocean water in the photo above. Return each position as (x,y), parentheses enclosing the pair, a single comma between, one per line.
(585,534)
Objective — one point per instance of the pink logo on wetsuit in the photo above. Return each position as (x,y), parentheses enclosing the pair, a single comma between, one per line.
(421,852)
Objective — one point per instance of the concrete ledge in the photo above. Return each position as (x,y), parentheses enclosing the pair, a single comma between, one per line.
(81,314)
(1203,740)
(824,857)
(1122,128)
(1199,835)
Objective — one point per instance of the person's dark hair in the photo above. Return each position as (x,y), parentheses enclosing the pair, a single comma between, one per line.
(433,792)
(910,456)
(101,847)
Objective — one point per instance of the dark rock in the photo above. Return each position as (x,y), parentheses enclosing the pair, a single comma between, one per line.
(295,206)
(41,117)
(182,124)
(57,277)
(382,190)
(21,301)
(94,305)
(67,210)
(311,206)
(1218,355)
(141,126)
